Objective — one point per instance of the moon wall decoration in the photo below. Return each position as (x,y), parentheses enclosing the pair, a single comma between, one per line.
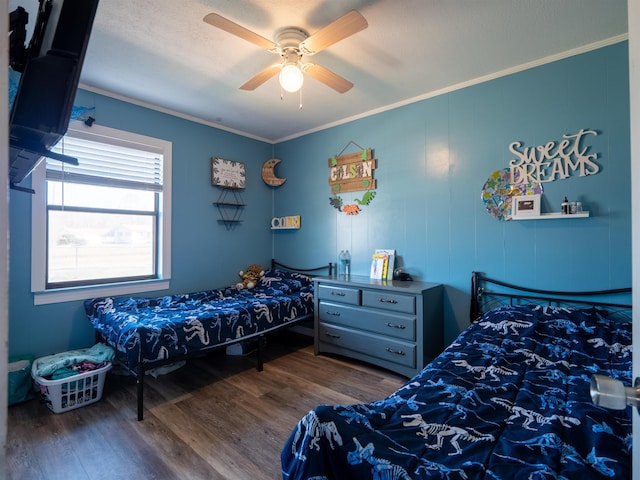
(268,174)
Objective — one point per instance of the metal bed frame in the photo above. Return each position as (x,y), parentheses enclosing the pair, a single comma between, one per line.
(484,297)
(139,372)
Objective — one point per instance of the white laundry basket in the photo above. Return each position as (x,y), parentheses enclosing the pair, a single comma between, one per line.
(71,392)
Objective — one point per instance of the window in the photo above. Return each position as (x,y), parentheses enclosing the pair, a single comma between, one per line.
(101,227)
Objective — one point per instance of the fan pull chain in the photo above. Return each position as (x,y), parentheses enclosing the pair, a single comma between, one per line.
(282,97)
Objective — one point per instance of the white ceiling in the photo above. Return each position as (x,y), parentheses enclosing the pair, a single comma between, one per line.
(160,53)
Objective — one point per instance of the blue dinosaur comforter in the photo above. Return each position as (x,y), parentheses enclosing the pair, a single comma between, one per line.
(159,329)
(508,399)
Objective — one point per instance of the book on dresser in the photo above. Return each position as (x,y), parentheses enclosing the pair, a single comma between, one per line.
(379,263)
(387,273)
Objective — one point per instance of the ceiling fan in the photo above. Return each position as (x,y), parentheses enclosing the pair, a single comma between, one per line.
(292,44)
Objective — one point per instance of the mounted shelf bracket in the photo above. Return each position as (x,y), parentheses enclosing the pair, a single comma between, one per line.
(229,205)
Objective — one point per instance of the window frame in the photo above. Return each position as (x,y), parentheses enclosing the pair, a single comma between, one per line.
(41,294)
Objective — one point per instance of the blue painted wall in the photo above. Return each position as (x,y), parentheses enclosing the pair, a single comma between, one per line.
(204,254)
(433,159)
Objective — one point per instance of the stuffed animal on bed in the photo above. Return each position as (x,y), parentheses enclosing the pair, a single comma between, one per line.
(250,277)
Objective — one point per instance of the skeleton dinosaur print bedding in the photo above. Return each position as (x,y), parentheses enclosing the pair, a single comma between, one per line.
(174,326)
(509,399)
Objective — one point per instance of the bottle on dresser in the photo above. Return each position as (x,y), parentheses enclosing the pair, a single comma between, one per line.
(347,263)
(341,264)
(344,263)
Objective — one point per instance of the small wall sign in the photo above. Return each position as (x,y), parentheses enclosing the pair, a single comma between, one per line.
(268,173)
(352,172)
(285,223)
(227,173)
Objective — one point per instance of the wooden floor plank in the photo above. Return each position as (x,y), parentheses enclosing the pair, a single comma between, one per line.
(22,463)
(216,418)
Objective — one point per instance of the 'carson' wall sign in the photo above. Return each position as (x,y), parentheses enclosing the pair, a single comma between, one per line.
(352,172)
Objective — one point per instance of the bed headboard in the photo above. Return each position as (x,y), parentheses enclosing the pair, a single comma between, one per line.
(328,267)
(488,293)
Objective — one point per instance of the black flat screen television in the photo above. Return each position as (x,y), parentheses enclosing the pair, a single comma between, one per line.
(41,109)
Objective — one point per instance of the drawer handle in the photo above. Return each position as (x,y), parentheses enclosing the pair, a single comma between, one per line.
(401,327)
(396,352)
(335,314)
(384,300)
(331,335)
(338,294)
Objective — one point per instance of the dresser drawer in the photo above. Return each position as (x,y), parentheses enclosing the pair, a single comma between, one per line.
(389,301)
(339,294)
(386,349)
(376,321)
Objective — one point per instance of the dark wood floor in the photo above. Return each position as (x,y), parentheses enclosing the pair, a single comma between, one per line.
(216,418)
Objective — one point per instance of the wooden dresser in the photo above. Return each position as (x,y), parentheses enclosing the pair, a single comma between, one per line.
(392,324)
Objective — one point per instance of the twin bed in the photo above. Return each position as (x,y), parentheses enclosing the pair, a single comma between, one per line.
(147,333)
(509,398)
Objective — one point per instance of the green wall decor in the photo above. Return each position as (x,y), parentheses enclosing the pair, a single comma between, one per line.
(352,173)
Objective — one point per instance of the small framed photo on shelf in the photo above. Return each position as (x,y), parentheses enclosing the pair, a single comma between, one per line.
(525,206)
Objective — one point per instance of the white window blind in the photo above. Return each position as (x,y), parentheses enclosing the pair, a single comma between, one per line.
(107,165)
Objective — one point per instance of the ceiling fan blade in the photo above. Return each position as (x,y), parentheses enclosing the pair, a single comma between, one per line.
(261,77)
(326,76)
(348,24)
(233,28)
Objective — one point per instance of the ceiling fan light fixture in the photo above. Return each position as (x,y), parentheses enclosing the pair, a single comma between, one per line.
(291,78)
(291,44)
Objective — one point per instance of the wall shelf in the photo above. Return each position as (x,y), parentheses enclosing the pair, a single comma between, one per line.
(229,205)
(291,222)
(554,216)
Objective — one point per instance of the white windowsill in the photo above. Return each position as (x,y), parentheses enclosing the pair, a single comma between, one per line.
(111,290)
